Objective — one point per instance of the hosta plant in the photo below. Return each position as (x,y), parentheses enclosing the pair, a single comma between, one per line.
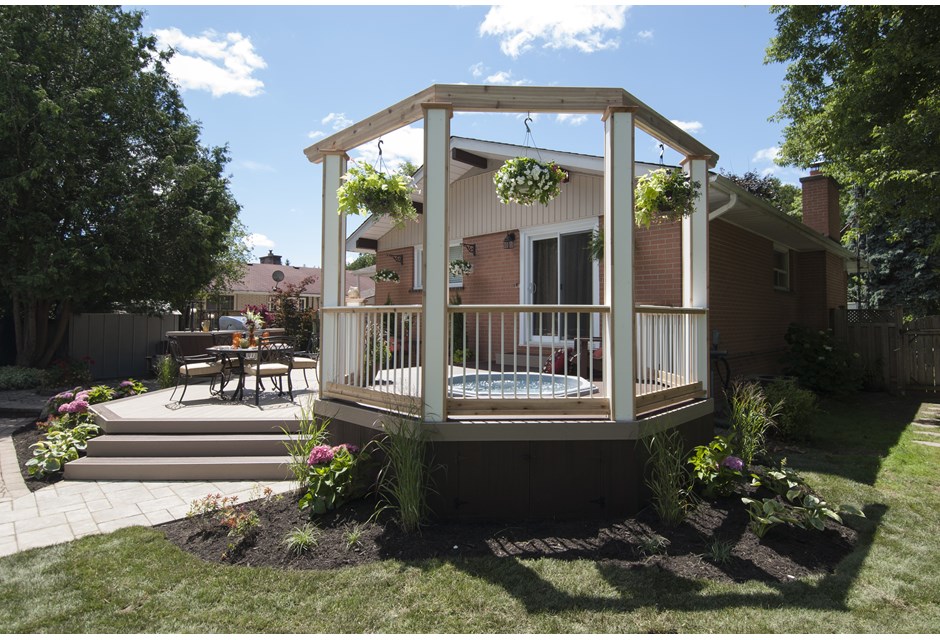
(526,181)
(366,190)
(60,445)
(715,469)
(766,514)
(664,195)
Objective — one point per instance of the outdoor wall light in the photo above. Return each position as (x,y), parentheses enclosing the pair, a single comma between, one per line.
(510,240)
(472,248)
(399,258)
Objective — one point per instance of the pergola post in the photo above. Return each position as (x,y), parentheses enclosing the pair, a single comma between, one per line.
(620,331)
(334,264)
(695,264)
(436,267)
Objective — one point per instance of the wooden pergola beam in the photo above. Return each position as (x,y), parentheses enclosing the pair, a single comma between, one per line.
(502,99)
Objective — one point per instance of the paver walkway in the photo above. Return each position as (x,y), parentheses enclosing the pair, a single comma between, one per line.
(926,423)
(72,509)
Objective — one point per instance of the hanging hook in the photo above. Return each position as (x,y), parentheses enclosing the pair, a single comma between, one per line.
(380,147)
(526,122)
(662,150)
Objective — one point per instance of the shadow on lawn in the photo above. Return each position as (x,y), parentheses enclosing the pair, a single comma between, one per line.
(853,435)
(651,586)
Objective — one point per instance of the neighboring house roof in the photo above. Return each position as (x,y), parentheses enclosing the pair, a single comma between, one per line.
(258,278)
(725,199)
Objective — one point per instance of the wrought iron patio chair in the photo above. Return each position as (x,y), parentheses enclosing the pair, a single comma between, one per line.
(274,360)
(201,366)
(308,359)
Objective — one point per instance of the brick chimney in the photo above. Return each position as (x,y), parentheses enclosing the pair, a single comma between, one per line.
(821,204)
(273,259)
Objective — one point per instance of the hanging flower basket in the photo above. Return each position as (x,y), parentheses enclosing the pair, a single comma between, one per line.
(527,181)
(460,268)
(664,195)
(386,275)
(366,190)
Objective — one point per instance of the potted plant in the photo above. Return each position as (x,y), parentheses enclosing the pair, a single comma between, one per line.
(367,190)
(386,275)
(460,267)
(664,195)
(527,181)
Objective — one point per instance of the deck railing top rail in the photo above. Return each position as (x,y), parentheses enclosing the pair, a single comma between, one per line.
(650,308)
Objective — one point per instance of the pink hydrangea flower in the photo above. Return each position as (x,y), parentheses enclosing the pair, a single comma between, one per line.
(64,407)
(733,462)
(351,448)
(320,454)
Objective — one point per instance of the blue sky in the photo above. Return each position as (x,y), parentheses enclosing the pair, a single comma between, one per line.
(270,81)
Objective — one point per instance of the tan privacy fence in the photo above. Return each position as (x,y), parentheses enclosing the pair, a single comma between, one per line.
(119,343)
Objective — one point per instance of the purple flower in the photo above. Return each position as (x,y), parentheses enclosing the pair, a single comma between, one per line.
(64,408)
(351,448)
(126,383)
(733,462)
(320,454)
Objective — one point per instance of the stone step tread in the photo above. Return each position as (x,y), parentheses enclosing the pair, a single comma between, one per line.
(191,437)
(927,433)
(929,444)
(179,468)
(185,460)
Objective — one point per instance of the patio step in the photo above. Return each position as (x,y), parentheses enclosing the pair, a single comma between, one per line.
(179,468)
(187,445)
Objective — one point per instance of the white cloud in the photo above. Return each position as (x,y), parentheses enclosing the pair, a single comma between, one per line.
(260,167)
(337,121)
(504,77)
(219,63)
(574,119)
(315,135)
(402,145)
(766,155)
(646,35)
(689,127)
(260,241)
(557,26)
(477,69)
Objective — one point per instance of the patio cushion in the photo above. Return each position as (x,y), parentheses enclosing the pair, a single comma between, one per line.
(304,363)
(201,369)
(267,369)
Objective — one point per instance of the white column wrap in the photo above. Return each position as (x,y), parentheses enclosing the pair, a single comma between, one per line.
(334,263)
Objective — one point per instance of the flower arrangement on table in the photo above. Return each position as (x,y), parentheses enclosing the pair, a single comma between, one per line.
(330,477)
(460,267)
(664,195)
(366,190)
(526,181)
(386,275)
(257,316)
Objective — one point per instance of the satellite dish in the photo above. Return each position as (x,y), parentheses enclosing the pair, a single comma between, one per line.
(277,276)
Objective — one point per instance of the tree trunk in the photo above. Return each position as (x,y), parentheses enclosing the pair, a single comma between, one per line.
(35,343)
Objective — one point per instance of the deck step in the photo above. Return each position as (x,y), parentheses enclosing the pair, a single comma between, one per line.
(188,445)
(201,425)
(180,468)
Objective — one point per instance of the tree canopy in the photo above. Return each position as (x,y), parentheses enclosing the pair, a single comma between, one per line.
(107,197)
(785,197)
(364,260)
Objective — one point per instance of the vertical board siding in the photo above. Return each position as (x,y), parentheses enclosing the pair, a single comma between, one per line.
(476,211)
(118,343)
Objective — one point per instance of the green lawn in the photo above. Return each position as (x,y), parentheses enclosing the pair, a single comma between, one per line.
(135,581)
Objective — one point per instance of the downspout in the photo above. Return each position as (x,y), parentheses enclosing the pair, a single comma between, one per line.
(724,208)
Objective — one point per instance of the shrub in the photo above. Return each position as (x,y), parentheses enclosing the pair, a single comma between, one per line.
(166,371)
(820,363)
(668,477)
(330,478)
(240,522)
(405,477)
(129,387)
(715,469)
(66,372)
(12,378)
(797,407)
(751,417)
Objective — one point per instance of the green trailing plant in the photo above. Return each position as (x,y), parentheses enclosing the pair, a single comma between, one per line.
(664,195)
(14,378)
(797,407)
(820,363)
(58,447)
(751,417)
(366,190)
(714,469)
(766,514)
(526,181)
(166,371)
(667,477)
(300,540)
(405,477)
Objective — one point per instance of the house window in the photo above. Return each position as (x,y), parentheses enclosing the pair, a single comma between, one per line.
(781,269)
(220,305)
(455,253)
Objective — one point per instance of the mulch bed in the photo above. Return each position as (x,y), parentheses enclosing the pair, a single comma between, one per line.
(785,553)
(23,438)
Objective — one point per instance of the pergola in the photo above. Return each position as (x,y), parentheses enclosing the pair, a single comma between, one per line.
(622,114)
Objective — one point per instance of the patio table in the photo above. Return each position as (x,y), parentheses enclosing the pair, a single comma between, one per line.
(227,352)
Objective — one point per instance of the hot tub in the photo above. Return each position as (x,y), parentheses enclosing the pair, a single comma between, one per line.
(518,385)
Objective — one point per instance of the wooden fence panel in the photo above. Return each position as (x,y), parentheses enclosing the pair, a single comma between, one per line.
(875,335)
(922,342)
(118,343)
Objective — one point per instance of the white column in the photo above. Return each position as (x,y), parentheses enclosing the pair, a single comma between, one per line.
(695,263)
(619,336)
(333,255)
(436,178)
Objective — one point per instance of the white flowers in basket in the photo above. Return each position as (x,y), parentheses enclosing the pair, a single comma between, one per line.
(460,268)
(527,181)
(386,275)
